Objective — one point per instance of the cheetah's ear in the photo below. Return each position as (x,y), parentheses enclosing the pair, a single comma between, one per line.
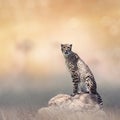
(61,45)
(71,45)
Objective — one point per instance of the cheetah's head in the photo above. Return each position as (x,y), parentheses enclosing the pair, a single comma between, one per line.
(66,49)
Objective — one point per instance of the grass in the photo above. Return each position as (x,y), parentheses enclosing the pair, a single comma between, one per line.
(111,114)
(31,113)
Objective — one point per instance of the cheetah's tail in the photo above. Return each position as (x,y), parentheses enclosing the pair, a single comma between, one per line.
(99,99)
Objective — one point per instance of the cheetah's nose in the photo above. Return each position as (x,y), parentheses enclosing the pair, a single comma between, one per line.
(66,52)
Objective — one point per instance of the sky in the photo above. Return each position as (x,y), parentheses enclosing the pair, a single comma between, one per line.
(31,32)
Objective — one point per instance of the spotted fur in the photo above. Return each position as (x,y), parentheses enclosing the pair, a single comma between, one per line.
(80,73)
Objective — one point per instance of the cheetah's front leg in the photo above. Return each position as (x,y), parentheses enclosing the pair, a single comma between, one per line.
(76,80)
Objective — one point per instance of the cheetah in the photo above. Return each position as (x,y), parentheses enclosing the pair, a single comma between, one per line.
(82,77)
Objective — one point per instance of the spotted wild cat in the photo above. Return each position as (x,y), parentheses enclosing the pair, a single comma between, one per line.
(80,73)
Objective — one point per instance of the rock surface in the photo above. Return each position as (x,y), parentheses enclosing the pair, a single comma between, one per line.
(63,107)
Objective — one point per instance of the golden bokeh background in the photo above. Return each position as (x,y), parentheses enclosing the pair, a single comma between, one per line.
(31,32)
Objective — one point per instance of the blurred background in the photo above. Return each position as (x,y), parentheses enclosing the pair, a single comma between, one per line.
(32,68)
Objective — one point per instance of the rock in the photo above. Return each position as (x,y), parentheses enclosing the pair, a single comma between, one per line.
(63,107)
